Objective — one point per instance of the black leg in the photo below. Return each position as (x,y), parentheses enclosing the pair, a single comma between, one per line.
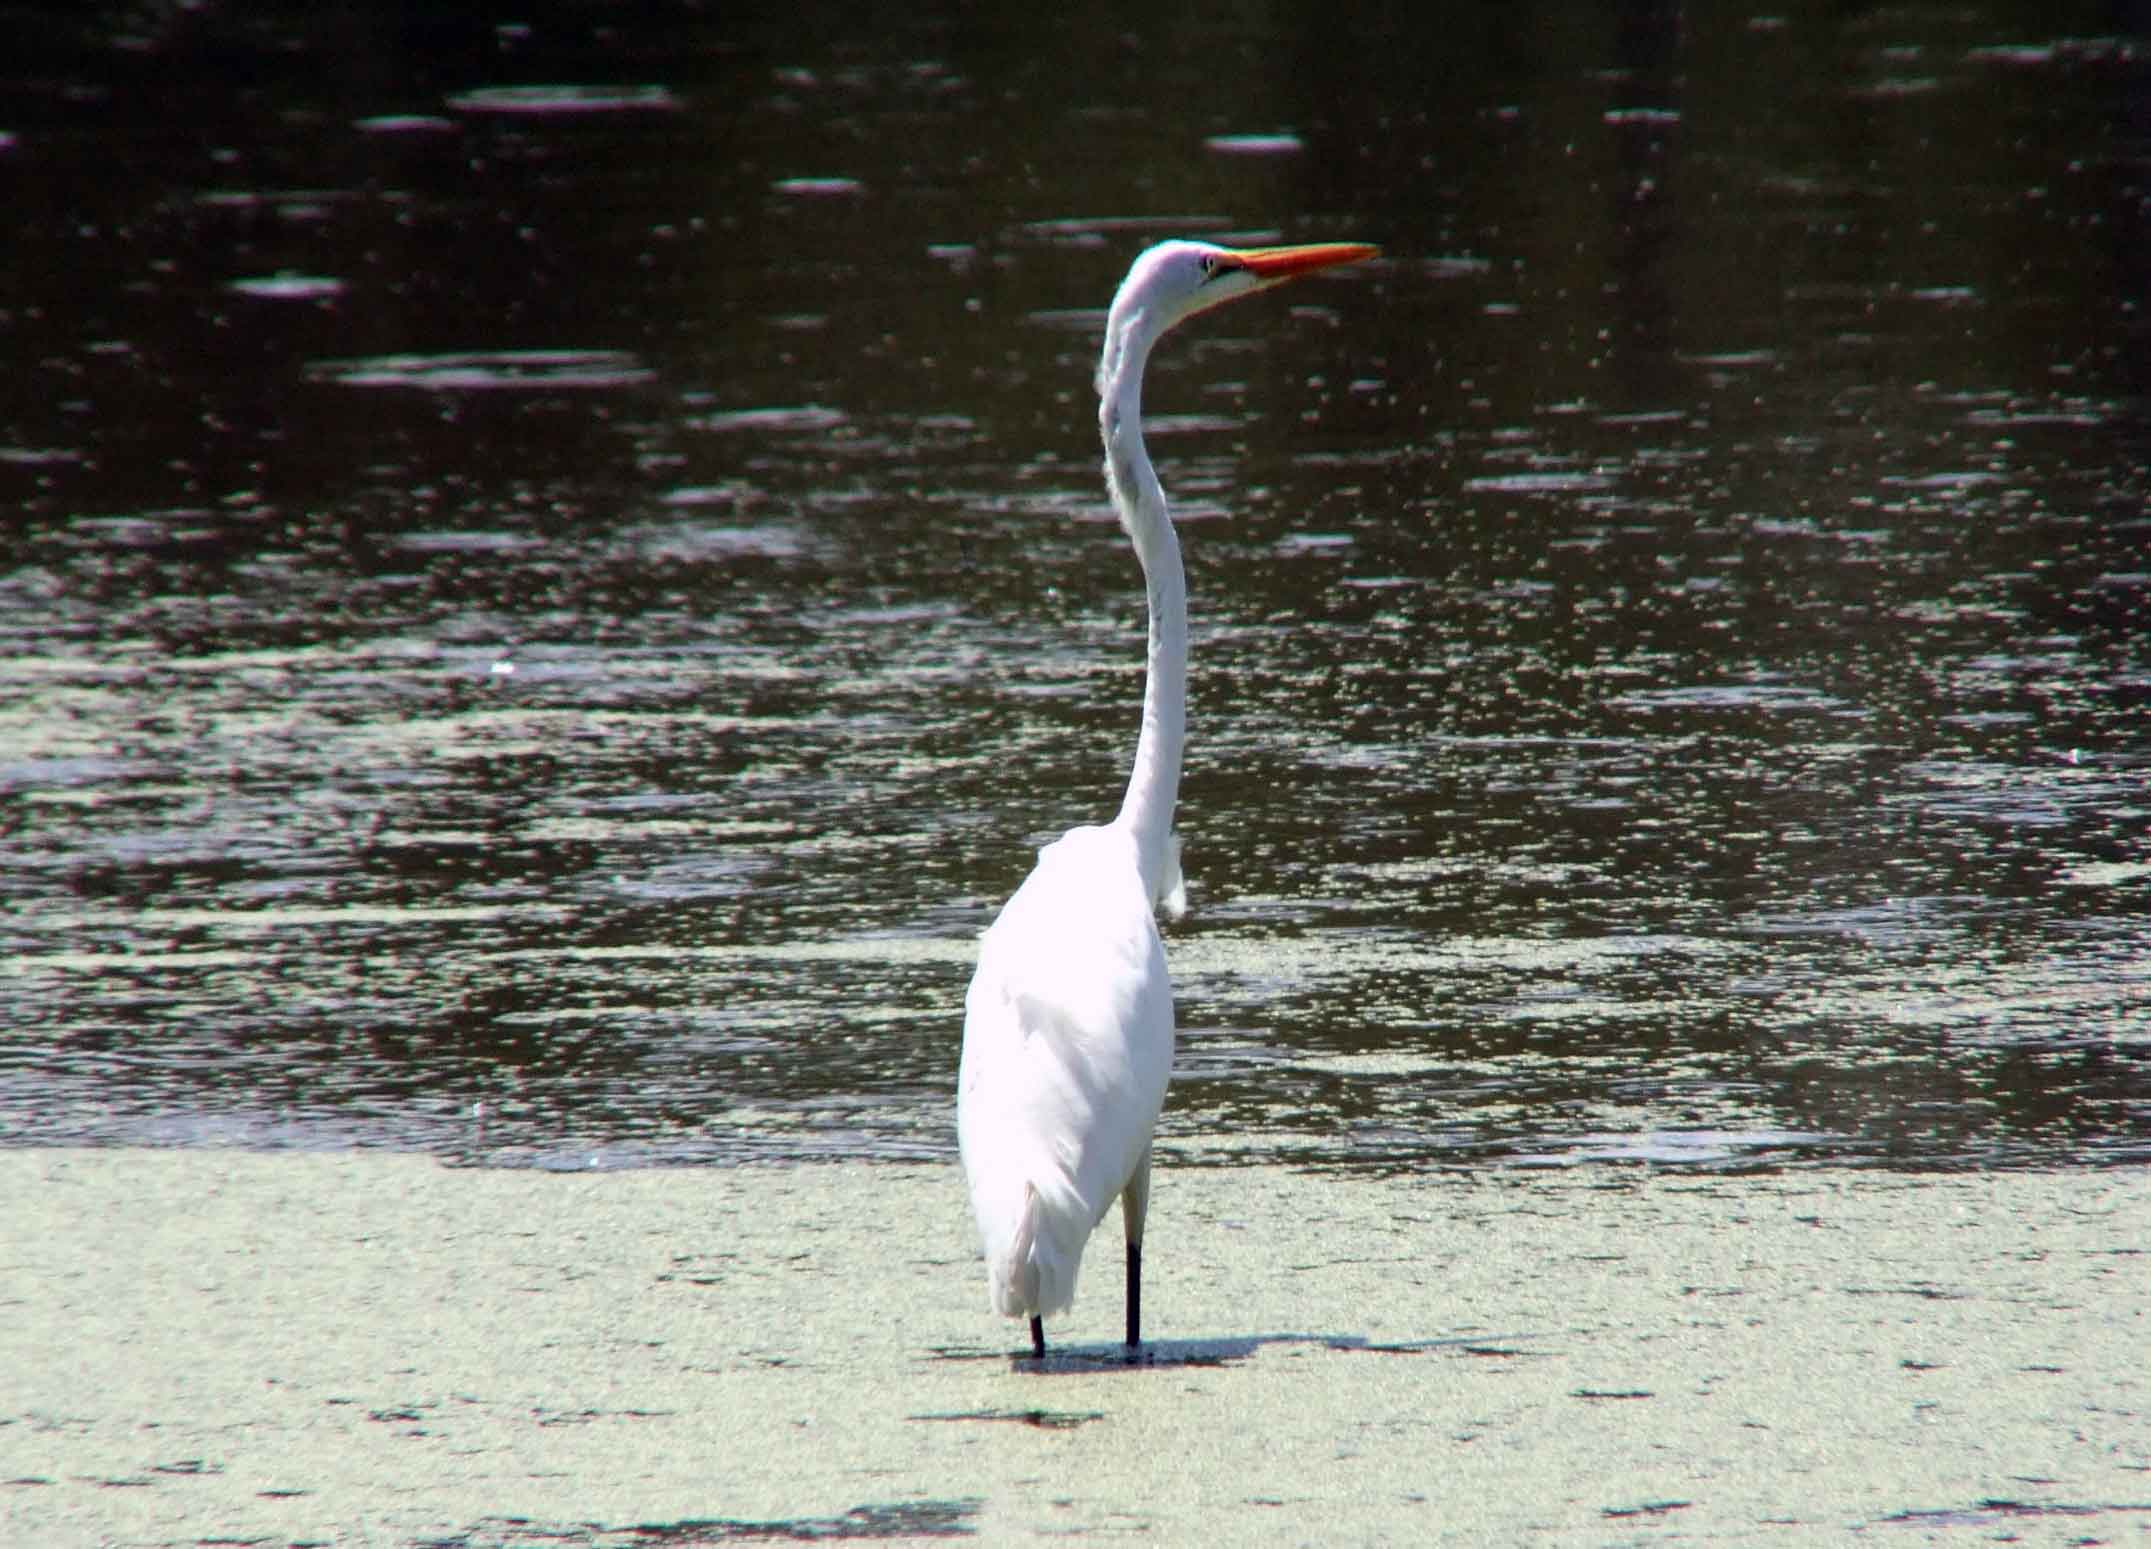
(1135,1294)
(1038,1338)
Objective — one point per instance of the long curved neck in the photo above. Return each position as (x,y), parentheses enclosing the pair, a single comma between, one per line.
(1154,784)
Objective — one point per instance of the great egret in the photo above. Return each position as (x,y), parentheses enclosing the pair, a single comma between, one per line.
(1068,1025)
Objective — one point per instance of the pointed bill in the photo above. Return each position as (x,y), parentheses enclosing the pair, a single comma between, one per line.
(1285,263)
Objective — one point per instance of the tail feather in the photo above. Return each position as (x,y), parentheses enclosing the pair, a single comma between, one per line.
(1014,1285)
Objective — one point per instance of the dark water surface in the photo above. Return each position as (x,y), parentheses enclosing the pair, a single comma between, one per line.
(555,574)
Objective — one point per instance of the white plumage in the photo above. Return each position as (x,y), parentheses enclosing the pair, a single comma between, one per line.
(1068,1042)
(1068,1025)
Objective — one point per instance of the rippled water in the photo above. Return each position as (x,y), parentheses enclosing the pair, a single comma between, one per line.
(559,575)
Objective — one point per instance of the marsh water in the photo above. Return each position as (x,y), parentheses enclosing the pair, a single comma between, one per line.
(554,575)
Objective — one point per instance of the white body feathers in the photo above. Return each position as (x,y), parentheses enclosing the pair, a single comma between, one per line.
(1068,1043)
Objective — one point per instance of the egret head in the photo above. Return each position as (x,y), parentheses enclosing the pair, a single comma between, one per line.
(1175,280)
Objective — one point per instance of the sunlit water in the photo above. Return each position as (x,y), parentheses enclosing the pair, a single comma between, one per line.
(558,580)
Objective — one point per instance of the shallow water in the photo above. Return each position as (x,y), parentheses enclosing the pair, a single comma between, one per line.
(559,575)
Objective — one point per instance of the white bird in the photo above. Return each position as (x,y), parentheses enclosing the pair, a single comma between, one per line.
(1068,1025)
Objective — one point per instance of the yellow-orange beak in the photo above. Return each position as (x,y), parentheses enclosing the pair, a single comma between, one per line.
(1284,263)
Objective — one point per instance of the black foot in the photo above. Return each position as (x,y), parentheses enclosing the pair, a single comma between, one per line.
(1135,1294)
(1038,1338)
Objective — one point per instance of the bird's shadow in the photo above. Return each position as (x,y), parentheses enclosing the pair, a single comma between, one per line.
(1069,1360)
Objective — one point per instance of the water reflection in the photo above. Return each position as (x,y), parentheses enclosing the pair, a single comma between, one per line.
(559,578)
